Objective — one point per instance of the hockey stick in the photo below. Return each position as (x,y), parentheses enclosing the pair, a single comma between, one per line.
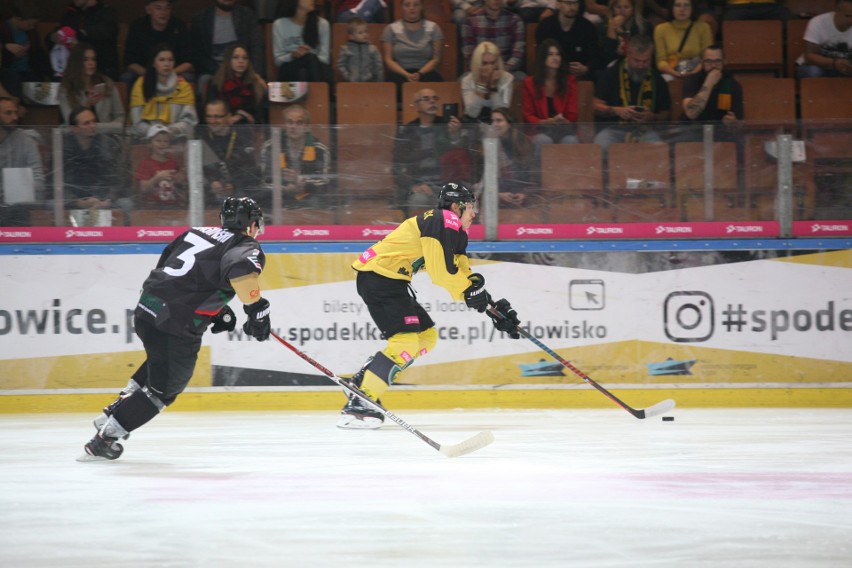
(472,444)
(660,408)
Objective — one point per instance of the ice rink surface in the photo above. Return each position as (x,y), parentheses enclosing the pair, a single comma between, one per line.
(587,488)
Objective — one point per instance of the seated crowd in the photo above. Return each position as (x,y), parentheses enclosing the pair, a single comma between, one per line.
(209,80)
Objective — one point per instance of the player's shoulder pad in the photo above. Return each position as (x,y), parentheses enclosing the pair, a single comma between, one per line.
(439,220)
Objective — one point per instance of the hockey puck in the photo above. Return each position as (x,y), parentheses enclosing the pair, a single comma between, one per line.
(668,418)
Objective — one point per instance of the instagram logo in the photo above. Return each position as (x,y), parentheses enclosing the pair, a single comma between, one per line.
(688,316)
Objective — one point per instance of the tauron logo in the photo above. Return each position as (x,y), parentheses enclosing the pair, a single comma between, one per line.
(604,230)
(311,232)
(828,228)
(743,229)
(534,231)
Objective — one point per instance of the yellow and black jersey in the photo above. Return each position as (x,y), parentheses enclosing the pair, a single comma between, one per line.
(434,241)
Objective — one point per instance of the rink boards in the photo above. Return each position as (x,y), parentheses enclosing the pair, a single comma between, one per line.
(708,323)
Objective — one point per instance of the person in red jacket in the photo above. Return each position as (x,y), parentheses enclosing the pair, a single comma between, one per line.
(550,98)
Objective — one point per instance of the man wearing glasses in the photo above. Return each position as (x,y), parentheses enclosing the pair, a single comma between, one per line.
(712,95)
(228,155)
(575,35)
(418,150)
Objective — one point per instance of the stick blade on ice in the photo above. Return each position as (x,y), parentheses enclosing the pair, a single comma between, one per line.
(660,408)
(470,445)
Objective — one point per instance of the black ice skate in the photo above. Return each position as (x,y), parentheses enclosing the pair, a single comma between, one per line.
(99,422)
(101,448)
(358,414)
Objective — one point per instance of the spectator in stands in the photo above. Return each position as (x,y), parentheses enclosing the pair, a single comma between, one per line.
(487,86)
(622,22)
(18,149)
(596,11)
(550,100)
(412,46)
(97,24)
(301,43)
(360,60)
(532,11)
(713,95)
(502,28)
(516,161)
(215,29)
(305,163)
(162,97)
(755,10)
(828,44)
(576,35)
(156,27)
(161,178)
(680,42)
(22,57)
(91,162)
(419,149)
(228,155)
(371,11)
(237,83)
(462,9)
(4,93)
(630,96)
(83,86)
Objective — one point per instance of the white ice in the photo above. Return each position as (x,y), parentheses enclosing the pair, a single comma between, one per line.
(587,488)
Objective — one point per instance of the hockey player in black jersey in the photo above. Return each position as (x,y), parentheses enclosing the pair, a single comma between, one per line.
(435,241)
(196,276)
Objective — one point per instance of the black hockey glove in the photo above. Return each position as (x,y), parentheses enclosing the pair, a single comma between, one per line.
(475,295)
(225,320)
(507,319)
(258,325)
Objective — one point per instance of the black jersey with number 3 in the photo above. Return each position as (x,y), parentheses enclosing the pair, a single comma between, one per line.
(192,280)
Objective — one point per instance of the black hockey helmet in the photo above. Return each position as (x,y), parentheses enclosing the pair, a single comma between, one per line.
(453,192)
(239,212)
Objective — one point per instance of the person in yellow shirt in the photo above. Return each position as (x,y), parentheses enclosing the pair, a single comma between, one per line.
(434,241)
(679,42)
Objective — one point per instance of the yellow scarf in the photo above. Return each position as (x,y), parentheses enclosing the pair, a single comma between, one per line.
(159,107)
(647,95)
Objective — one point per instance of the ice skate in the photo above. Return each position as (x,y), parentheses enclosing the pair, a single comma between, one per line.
(100,421)
(101,448)
(357,414)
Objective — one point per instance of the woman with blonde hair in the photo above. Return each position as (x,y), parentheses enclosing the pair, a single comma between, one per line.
(83,86)
(624,20)
(488,85)
(237,83)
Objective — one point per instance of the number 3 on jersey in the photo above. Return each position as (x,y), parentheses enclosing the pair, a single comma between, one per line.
(188,256)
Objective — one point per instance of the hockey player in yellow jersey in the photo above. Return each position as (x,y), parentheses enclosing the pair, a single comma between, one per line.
(435,241)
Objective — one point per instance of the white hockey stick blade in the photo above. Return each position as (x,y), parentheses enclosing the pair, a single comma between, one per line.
(660,408)
(468,446)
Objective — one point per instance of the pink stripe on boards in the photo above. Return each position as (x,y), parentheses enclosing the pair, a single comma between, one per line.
(411,320)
